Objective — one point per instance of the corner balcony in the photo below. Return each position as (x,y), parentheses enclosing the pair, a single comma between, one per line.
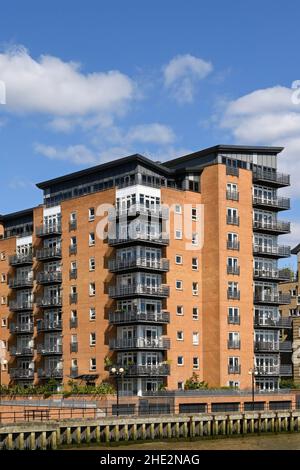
(46,254)
(286,370)
(272,274)
(54,277)
(49,349)
(160,370)
(276,204)
(20,283)
(266,346)
(21,374)
(276,299)
(283,322)
(138,238)
(121,318)
(50,373)
(268,370)
(47,325)
(21,351)
(274,251)
(276,227)
(116,292)
(140,343)
(20,305)
(271,178)
(48,230)
(285,346)
(47,302)
(116,265)
(20,259)
(138,209)
(21,328)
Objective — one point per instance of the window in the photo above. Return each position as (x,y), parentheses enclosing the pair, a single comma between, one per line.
(180,336)
(2,256)
(3,322)
(91,239)
(194,213)
(93,364)
(179,285)
(180,385)
(178,259)
(195,288)
(73,241)
(73,217)
(180,361)
(91,214)
(233,315)
(195,264)
(196,362)
(3,300)
(195,313)
(3,277)
(92,289)
(92,264)
(178,209)
(92,339)
(179,310)
(92,314)
(4,366)
(195,239)
(178,234)
(195,338)
(233,384)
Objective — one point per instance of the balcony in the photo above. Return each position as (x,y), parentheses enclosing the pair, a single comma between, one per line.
(120,318)
(73,225)
(284,322)
(232,171)
(232,220)
(138,263)
(46,302)
(49,325)
(140,343)
(116,292)
(140,209)
(73,322)
(286,370)
(266,346)
(233,294)
(272,274)
(54,277)
(138,238)
(274,298)
(19,283)
(160,370)
(73,298)
(21,374)
(233,320)
(73,249)
(272,178)
(233,344)
(49,349)
(50,373)
(48,230)
(73,274)
(268,370)
(286,346)
(20,259)
(16,328)
(21,351)
(48,253)
(232,195)
(19,305)
(233,245)
(274,251)
(234,369)
(233,270)
(278,203)
(74,346)
(275,227)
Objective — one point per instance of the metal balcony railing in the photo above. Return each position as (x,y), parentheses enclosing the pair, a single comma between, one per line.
(140,343)
(234,344)
(140,209)
(232,171)
(139,317)
(233,245)
(234,369)
(19,373)
(73,225)
(286,370)
(46,230)
(232,195)
(284,322)
(48,349)
(233,294)
(19,259)
(73,322)
(276,226)
(139,289)
(16,305)
(273,274)
(285,346)
(52,277)
(49,301)
(49,325)
(48,253)
(143,263)
(21,351)
(73,249)
(262,346)
(16,328)
(73,372)
(73,274)
(273,298)
(272,250)
(139,237)
(280,203)
(20,282)
(271,177)
(73,298)
(50,373)
(74,346)
(232,220)
(233,270)
(147,370)
(267,370)
(236,320)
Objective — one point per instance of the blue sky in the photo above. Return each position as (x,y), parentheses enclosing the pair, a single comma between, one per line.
(90,81)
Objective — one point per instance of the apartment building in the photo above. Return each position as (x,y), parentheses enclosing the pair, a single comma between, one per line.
(186,281)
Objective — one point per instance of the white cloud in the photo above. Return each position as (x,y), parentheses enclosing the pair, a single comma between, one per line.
(151,133)
(78,154)
(182,74)
(51,86)
(268,117)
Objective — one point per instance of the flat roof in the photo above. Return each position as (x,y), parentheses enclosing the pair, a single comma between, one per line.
(16,215)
